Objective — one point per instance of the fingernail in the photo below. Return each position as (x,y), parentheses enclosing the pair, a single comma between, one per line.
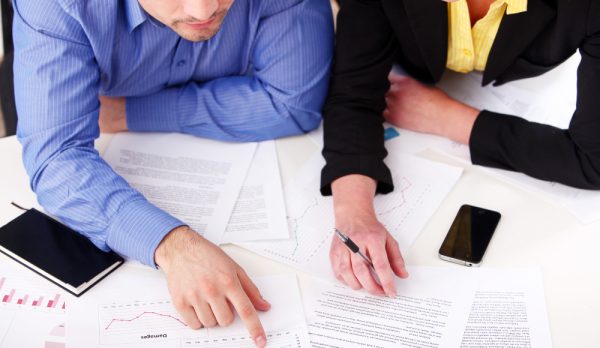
(405,271)
(260,341)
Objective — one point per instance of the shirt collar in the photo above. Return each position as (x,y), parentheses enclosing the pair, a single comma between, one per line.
(135,14)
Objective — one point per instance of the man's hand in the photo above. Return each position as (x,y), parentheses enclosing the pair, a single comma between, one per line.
(355,217)
(414,106)
(206,284)
(112,115)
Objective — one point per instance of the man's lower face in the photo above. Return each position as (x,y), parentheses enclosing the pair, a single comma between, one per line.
(199,30)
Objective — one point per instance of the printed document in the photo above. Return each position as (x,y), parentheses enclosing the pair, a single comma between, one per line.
(420,187)
(259,213)
(132,309)
(434,308)
(196,180)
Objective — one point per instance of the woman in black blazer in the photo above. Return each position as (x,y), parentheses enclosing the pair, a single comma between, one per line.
(372,35)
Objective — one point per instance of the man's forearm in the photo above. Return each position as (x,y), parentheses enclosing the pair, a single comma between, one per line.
(230,108)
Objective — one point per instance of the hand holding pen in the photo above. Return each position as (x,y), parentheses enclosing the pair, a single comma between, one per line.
(365,273)
(356,219)
(356,250)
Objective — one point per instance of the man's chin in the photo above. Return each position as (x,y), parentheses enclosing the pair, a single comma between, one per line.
(197,35)
(190,33)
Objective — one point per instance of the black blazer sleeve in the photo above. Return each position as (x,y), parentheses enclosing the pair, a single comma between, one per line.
(571,156)
(353,130)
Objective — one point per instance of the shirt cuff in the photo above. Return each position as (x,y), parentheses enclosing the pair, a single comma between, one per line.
(137,230)
(485,141)
(157,112)
(340,166)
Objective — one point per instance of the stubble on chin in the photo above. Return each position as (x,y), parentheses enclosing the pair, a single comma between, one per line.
(199,35)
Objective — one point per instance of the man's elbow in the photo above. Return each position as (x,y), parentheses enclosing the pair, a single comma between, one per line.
(301,119)
(305,120)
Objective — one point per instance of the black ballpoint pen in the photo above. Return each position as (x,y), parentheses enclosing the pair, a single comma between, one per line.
(354,248)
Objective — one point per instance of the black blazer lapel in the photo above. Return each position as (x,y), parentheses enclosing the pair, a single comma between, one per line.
(516,32)
(429,22)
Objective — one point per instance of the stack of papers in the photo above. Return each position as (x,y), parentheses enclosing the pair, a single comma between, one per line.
(227,192)
(216,189)
(436,307)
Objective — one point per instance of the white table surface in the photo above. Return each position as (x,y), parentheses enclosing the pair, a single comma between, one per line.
(533,232)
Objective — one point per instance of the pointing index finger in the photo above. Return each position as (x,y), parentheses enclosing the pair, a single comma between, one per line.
(247,313)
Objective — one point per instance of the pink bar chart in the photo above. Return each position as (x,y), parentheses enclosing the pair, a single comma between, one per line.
(19,293)
(8,298)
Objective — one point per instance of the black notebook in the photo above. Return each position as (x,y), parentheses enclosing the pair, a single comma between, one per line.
(56,252)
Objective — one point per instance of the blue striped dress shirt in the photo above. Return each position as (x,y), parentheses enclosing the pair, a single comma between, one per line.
(263,75)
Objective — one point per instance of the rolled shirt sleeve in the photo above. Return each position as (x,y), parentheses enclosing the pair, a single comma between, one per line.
(56,88)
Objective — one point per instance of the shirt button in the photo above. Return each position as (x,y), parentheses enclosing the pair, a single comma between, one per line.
(467,52)
(181,63)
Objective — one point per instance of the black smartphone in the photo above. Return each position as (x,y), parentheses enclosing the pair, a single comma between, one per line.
(469,235)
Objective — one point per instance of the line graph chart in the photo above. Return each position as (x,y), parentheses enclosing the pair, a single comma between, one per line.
(140,314)
(119,320)
(127,322)
(309,221)
(420,187)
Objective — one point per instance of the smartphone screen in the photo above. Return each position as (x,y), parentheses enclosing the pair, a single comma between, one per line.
(469,235)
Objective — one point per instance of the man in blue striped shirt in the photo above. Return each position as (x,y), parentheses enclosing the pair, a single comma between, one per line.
(243,70)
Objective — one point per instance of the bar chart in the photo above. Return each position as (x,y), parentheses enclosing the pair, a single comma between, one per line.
(31,310)
(16,293)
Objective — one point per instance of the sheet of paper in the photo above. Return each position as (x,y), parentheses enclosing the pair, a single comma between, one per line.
(429,311)
(132,308)
(435,307)
(583,204)
(196,180)
(32,312)
(420,187)
(507,310)
(259,213)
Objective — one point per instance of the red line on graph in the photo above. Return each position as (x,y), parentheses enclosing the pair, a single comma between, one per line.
(139,316)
